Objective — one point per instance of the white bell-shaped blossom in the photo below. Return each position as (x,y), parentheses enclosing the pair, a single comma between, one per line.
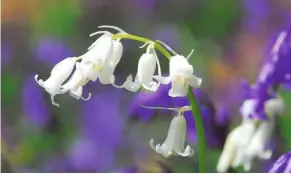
(59,75)
(107,74)
(181,75)
(249,140)
(263,135)
(174,143)
(75,84)
(145,71)
(235,146)
(102,57)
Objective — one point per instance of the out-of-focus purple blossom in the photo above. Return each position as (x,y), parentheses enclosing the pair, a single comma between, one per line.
(276,71)
(169,35)
(102,132)
(256,13)
(83,154)
(127,170)
(52,51)
(222,113)
(282,165)
(57,165)
(6,53)
(147,4)
(33,103)
(260,95)
(158,98)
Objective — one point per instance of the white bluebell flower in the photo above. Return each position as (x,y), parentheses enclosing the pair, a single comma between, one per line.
(181,75)
(59,74)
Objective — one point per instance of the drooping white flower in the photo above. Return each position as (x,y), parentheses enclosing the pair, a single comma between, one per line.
(75,84)
(107,74)
(59,74)
(235,146)
(145,71)
(262,136)
(102,57)
(264,132)
(249,140)
(181,75)
(174,143)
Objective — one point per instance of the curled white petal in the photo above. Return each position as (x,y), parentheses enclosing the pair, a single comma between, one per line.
(162,80)
(40,81)
(132,87)
(153,86)
(187,152)
(194,81)
(127,84)
(53,101)
(77,93)
(88,98)
(151,143)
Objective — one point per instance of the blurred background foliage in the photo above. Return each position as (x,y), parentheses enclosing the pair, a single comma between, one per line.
(105,134)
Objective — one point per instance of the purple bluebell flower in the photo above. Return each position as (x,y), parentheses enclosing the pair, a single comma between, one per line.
(33,103)
(52,51)
(276,71)
(282,165)
(260,95)
(102,132)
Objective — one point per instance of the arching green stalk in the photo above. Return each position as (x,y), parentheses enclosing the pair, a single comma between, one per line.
(195,107)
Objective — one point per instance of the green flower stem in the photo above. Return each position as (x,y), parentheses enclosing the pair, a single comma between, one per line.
(142,39)
(195,107)
(199,131)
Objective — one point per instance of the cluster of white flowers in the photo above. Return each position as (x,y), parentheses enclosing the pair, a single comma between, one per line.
(100,61)
(250,139)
